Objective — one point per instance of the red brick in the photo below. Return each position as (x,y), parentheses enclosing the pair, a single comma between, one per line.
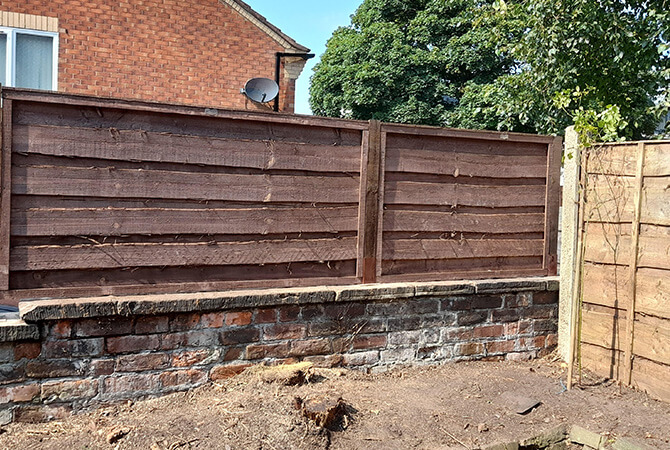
(240,336)
(73,348)
(469,349)
(129,344)
(233,353)
(219,373)
(310,347)
(28,350)
(260,351)
(489,331)
(37,414)
(130,384)
(289,313)
(500,346)
(151,325)
(545,298)
(183,377)
(552,340)
(100,367)
(239,318)
(21,393)
(141,362)
(54,368)
(284,331)
(185,359)
(60,391)
(325,361)
(61,329)
(108,326)
(362,342)
(185,322)
(268,315)
(173,341)
(212,320)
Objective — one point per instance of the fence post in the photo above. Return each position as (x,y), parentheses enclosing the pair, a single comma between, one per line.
(552,200)
(569,225)
(369,208)
(634,245)
(5,188)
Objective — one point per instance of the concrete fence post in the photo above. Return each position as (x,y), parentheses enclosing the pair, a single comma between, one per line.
(569,219)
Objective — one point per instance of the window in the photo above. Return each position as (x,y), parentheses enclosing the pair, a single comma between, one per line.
(28,58)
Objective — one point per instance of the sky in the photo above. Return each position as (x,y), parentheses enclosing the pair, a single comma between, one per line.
(310,23)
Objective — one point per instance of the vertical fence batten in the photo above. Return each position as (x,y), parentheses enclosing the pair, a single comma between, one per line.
(127,197)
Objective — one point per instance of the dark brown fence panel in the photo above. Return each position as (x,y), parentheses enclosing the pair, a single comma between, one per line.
(113,196)
(459,202)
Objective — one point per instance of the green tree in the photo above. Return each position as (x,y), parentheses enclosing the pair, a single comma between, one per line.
(524,65)
(405,61)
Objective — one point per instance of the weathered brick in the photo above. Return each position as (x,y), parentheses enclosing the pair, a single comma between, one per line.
(62,391)
(267,315)
(458,334)
(202,338)
(61,329)
(73,348)
(173,341)
(475,302)
(405,323)
(185,322)
(310,347)
(438,320)
(106,326)
(310,312)
(55,368)
(190,358)
(188,377)
(518,356)
(6,352)
(219,373)
(361,358)
(533,343)
(552,340)
(44,413)
(539,312)
(469,349)
(545,297)
(343,327)
(344,311)
(141,362)
(500,347)
(212,320)
(260,351)
(545,325)
(519,300)
(400,354)
(489,331)
(238,318)
(430,336)
(240,336)
(20,393)
(151,324)
(132,343)
(27,350)
(127,385)
(404,337)
(365,342)
(324,360)
(284,331)
(100,367)
(233,353)
(289,313)
(471,318)
(505,315)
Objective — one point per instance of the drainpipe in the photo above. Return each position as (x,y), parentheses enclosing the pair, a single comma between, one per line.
(278,57)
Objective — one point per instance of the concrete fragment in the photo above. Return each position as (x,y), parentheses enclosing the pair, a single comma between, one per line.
(582,436)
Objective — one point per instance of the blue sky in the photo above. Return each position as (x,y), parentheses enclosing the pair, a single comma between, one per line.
(310,23)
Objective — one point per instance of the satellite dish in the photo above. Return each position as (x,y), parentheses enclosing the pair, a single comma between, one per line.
(261,90)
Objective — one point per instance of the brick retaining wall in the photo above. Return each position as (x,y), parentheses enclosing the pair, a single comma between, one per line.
(68,356)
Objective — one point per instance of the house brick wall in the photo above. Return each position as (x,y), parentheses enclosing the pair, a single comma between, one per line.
(82,362)
(197,52)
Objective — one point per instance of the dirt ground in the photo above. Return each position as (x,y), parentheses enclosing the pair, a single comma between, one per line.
(457,405)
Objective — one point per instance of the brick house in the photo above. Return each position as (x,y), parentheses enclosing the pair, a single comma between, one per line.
(196,52)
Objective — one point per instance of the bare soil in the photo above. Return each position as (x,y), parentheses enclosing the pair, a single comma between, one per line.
(457,405)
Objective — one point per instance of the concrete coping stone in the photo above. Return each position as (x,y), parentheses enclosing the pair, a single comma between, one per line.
(12,330)
(154,304)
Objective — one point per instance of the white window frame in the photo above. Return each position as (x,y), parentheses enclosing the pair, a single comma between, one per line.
(10,65)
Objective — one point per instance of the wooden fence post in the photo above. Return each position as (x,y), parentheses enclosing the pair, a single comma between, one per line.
(5,189)
(552,200)
(634,244)
(370,195)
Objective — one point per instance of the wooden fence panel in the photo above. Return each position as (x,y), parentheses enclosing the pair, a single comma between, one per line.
(115,196)
(626,266)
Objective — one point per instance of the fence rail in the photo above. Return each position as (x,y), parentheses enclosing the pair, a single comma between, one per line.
(104,196)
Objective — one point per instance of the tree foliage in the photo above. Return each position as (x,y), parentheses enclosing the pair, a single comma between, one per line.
(521,65)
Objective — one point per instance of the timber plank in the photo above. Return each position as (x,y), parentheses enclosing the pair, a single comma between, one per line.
(123,221)
(110,182)
(140,145)
(6,118)
(654,251)
(452,159)
(652,338)
(97,256)
(462,275)
(606,285)
(652,378)
(441,221)
(604,330)
(496,136)
(602,361)
(412,249)
(552,199)
(409,192)
(607,243)
(656,200)
(653,292)
(509,263)
(621,159)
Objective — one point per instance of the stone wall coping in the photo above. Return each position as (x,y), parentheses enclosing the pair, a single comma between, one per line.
(12,330)
(154,304)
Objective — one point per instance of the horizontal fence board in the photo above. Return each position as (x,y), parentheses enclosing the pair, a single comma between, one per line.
(607,285)
(409,192)
(452,159)
(602,329)
(621,159)
(652,339)
(427,132)
(462,275)
(29,113)
(607,243)
(439,221)
(411,249)
(653,292)
(52,257)
(115,221)
(139,145)
(509,263)
(654,251)
(602,361)
(108,182)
